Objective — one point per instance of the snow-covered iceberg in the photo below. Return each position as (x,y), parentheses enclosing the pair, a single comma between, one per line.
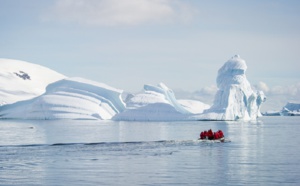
(235,99)
(291,109)
(158,103)
(77,98)
(72,98)
(20,80)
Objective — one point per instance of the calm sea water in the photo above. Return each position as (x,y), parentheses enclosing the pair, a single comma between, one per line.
(266,152)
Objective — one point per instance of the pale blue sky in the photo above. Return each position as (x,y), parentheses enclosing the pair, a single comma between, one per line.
(127,44)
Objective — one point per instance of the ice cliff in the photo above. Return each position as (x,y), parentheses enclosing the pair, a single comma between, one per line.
(20,80)
(235,99)
(72,98)
(158,103)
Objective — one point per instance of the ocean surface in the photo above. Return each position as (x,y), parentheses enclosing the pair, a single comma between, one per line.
(63,152)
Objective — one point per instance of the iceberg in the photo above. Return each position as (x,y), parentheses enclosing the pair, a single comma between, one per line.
(291,109)
(20,80)
(35,92)
(71,98)
(235,99)
(158,103)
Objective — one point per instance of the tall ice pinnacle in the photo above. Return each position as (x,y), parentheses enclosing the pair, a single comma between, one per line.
(235,98)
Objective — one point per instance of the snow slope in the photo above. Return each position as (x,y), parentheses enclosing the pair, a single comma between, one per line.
(73,98)
(158,103)
(20,80)
(235,99)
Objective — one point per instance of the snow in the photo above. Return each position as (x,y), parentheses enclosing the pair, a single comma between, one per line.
(158,103)
(72,98)
(20,80)
(235,99)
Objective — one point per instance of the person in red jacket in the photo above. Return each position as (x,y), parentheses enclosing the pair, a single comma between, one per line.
(216,135)
(210,134)
(203,135)
(221,133)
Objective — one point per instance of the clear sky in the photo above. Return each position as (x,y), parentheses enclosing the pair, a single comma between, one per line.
(183,43)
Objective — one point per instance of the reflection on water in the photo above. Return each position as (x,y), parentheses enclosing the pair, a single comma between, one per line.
(148,153)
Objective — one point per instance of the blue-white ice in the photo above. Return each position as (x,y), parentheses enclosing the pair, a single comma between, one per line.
(169,96)
(158,103)
(235,99)
(72,98)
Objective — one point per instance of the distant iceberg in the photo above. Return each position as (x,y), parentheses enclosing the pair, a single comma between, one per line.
(271,113)
(72,98)
(291,109)
(158,103)
(235,99)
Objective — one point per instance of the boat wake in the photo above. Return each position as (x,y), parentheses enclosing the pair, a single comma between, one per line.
(159,142)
